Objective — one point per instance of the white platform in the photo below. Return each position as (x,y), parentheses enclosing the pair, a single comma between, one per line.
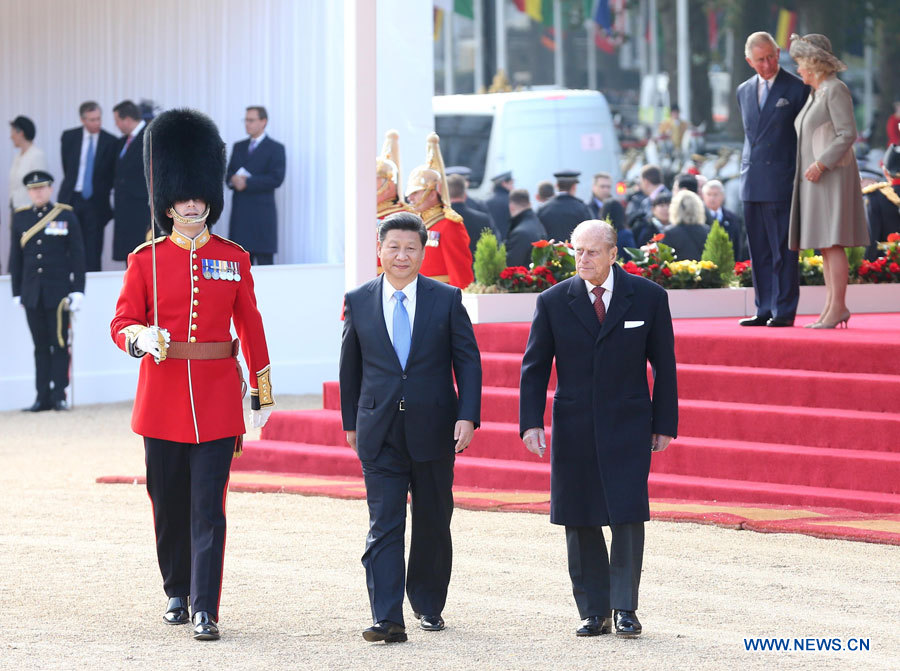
(695,303)
(301,309)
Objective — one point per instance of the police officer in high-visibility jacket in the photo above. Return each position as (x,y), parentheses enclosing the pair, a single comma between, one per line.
(188,405)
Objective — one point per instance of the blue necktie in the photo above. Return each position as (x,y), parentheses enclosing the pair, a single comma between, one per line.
(402,335)
(765,94)
(87,186)
(252,146)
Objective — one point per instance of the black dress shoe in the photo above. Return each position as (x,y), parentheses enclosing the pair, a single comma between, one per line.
(758,320)
(38,406)
(431,622)
(177,611)
(780,321)
(60,405)
(594,626)
(627,624)
(389,632)
(205,628)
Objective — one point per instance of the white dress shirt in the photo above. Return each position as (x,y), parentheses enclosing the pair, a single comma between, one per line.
(607,295)
(388,302)
(85,143)
(22,164)
(761,85)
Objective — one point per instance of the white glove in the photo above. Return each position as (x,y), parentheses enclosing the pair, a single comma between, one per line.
(17,300)
(258,418)
(75,299)
(148,341)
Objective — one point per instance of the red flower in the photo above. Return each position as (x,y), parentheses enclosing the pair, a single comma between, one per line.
(657,237)
(667,272)
(654,266)
(894,237)
(894,268)
(864,268)
(540,243)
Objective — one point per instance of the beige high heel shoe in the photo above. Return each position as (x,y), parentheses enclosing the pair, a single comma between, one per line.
(843,322)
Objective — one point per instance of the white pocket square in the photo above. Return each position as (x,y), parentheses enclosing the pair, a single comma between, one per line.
(633,325)
(782,102)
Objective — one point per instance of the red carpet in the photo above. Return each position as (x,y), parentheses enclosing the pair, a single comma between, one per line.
(781,417)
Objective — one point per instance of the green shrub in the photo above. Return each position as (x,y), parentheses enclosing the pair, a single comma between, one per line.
(490,259)
(719,250)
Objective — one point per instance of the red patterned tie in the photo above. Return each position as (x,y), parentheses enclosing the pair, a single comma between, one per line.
(599,307)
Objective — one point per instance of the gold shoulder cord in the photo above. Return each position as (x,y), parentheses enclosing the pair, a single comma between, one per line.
(40,226)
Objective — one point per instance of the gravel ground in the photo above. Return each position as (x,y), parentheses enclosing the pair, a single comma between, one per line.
(80,588)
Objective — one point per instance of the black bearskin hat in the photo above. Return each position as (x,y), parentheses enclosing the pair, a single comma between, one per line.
(892,161)
(188,162)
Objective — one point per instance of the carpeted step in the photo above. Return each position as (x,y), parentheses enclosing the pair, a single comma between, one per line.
(815,427)
(786,464)
(508,337)
(667,485)
(275,456)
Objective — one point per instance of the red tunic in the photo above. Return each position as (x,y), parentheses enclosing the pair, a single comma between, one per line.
(200,400)
(447,254)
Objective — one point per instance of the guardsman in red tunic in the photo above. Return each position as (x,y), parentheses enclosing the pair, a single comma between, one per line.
(447,254)
(175,312)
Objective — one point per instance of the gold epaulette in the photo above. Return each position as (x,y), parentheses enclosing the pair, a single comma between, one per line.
(228,242)
(875,187)
(64,206)
(23,208)
(148,243)
(451,214)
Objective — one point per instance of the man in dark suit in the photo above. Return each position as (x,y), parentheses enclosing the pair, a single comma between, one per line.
(474,220)
(714,198)
(602,326)
(255,170)
(89,163)
(498,203)
(131,211)
(405,338)
(883,203)
(562,213)
(471,203)
(46,267)
(524,229)
(769,101)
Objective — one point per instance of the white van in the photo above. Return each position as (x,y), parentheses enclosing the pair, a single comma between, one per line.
(532,133)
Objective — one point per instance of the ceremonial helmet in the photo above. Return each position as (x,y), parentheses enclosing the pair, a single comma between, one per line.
(387,165)
(892,161)
(431,174)
(184,158)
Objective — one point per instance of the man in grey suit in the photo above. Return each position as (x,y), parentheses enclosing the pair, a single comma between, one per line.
(406,337)
(769,101)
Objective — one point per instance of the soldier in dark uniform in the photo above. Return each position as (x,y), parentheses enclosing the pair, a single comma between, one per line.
(471,203)
(46,264)
(474,220)
(883,203)
(498,203)
(562,213)
(524,229)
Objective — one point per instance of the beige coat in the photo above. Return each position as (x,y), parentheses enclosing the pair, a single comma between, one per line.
(828,212)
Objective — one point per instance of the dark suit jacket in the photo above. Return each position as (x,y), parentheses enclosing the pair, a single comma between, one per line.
(104,168)
(372,382)
(131,209)
(769,157)
(603,413)
(254,221)
(735,228)
(524,229)
(688,240)
(561,214)
(498,205)
(475,222)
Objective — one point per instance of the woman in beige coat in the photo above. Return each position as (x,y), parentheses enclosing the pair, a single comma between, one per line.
(827,208)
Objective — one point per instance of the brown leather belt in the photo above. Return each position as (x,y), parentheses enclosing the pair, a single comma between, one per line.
(202,350)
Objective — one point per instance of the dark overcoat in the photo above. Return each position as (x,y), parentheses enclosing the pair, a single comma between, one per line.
(254,221)
(561,214)
(131,210)
(603,412)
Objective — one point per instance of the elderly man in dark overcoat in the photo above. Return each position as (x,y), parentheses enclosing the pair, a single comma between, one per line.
(601,326)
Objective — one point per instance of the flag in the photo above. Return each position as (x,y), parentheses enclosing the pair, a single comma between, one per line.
(602,16)
(787,24)
(610,17)
(712,18)
(438,23)
(464,8)
(539,10)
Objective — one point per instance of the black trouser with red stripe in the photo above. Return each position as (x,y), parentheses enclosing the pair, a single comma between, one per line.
(187,484)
